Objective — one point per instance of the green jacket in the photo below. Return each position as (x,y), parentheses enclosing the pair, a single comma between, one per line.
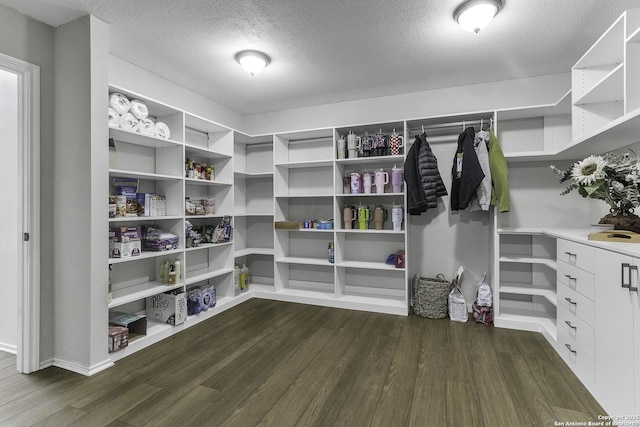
(499,175)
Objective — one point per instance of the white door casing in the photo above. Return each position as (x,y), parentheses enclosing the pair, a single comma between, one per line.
(28,337)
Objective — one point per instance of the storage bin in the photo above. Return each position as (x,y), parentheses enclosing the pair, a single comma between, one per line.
(431,296)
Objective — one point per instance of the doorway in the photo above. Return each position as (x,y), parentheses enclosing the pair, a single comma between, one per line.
(20,216)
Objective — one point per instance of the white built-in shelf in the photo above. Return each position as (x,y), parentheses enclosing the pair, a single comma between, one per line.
(562,107)
(137,138)
(302,196)
(607,49)
(305,164)
(141,175)
(370,194)
(399,159)
(529,289)
(204,246)
(195,150)
(156,332)
(192,121)
(618,133)
(144,255)
(610,88)
(138,292)
(304,230)
(530,260)
(248,214)
(252,251)
(253,174)
(194,181)
(524,321)
(214,216)
(305,260)
(369,231)
(200,275)
(521,230)
(530,156)
(144,218)
(634,37)
(368,265)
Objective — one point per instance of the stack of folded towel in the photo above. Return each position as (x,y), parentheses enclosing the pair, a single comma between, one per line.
(133,116)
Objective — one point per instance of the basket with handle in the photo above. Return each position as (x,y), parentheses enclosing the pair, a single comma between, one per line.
(431,296)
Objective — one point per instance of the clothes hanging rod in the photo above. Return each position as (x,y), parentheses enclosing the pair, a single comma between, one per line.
(457,126)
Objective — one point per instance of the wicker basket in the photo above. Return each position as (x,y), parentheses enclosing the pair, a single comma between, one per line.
(431,296)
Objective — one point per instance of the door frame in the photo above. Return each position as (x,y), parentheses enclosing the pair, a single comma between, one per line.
(28,337)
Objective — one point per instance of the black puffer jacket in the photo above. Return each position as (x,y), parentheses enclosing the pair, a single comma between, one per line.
(424,183)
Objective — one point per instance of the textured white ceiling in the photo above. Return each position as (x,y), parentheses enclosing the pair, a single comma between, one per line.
(326,51)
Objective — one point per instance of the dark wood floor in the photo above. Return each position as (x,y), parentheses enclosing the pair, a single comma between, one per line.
(267,363)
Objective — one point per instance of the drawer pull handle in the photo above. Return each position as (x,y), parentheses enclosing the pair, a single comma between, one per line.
(570,349)
(622,282)
(570,277)
(570,301)
(570,325)
(633,268)
(570,254)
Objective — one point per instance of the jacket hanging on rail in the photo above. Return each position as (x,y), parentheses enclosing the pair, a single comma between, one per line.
(499,175)
(424,183)
(466,173)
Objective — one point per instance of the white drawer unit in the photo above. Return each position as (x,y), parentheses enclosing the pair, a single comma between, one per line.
(576,328)
(577,279)
(576,254)
(575,354)
(576,303)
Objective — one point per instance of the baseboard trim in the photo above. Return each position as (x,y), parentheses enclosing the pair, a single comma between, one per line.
(80,369)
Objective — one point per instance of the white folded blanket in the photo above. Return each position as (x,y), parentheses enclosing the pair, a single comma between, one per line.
(139,109)
(114,118)
(119,102)
(129,122)
(162,130)
(147,127)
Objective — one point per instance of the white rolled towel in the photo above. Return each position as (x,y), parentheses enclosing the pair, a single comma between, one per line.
(114,118)
(119,102)
(147,127)
(129,122)
(162,130)
(139,109)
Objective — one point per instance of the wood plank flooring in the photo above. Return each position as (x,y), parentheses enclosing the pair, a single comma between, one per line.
(268,363)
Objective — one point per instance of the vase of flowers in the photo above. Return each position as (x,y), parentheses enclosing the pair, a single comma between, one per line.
(612,178)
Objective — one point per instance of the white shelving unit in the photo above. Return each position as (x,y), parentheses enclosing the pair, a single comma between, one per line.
(525,275)
(159,166)
(253,208)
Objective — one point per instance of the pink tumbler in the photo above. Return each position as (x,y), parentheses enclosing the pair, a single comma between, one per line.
(396,179)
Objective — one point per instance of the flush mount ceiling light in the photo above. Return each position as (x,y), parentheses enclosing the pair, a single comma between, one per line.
(474,15)
(252,61)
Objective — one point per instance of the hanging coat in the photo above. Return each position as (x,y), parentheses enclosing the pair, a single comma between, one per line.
(424,183)
(482,201)
(499,175)
(466,173)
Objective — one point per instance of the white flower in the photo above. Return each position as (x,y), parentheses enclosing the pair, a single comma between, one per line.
(617,186)
(589,170)
(630,177)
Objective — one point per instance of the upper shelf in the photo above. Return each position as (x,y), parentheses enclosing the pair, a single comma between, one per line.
(137,138)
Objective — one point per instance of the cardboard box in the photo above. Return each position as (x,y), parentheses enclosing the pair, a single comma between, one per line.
(118,338)
(144,201)
(167,308)
(125,242)
(135,323)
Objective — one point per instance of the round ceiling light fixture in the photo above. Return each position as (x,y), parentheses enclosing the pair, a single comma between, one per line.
(474,15)
(252,61)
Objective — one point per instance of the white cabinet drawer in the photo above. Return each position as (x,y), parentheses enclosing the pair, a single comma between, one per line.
(576,356)
(580,280)
(577,303)
(576,328)
(582,256)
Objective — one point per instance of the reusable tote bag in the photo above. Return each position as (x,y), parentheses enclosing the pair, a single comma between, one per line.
(457,303)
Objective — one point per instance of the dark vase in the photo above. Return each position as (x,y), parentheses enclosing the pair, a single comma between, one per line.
(622,218)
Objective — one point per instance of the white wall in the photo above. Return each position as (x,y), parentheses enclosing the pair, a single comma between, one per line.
(416,105)
(9,221)
(32,41)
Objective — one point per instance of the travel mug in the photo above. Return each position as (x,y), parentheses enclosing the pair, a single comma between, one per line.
(363,218)
(382,179)
(379,216)
(356,183)
(341,148)
(396,179)
(349,214)
(353,144)
(396,217)
(366,180)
